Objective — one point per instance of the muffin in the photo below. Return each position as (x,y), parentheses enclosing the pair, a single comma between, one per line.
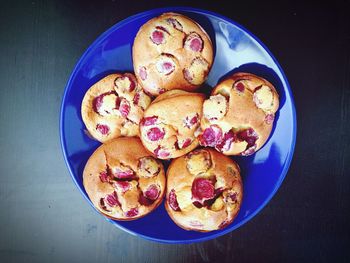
(204,190)
(113,107)
(171,51)
(238,117)
(170,122)
(123,180)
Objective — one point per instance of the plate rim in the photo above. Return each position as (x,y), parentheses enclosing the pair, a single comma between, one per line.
(203,12)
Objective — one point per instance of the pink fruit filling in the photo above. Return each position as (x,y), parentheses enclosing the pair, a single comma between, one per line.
(132,212)
(161,152)
(250,136)
(190,122)
(104,177)
(102,128)
(150,195)
(152,192)
(117,103)
(123,174)
(136,98)
(249,151)
(185,143)
(194,42)
(227,141)
(131,79)
(112,199)
(144,200)
(123,185)
(172,200)
(155,134)
(167,68)
(124,107)
(98,101)
(202,189)
(239,86)
(211,136)
(269,118)
(148,121)
(210,201)
(157,36)
(143,73)
(165,64)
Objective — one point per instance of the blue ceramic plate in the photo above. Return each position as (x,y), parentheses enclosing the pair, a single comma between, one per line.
(236,49)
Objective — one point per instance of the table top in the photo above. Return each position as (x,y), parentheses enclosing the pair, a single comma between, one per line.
(44,217)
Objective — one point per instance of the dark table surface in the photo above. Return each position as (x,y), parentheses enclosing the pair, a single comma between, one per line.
(43,216)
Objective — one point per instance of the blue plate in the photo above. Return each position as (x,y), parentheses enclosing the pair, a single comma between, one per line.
(236,49)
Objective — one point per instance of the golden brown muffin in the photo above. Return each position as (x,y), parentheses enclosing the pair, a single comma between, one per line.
(238,117)
(171,51)
(170,122)
(113,107)
(204,190)
(123,180)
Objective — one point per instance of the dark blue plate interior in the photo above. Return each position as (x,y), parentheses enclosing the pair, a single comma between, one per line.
(236,50)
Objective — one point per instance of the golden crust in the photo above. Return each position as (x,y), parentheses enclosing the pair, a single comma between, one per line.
(243,92)
(177,115)
(116,154)
(146,54)
(115,122)
(220,211)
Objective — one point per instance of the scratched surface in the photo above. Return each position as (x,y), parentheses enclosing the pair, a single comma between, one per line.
(43,216)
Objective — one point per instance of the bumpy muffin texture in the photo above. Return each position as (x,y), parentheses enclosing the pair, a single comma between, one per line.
(239,115)
(170,122)
(204,190)
(171,52)
(123,180)
(113,107)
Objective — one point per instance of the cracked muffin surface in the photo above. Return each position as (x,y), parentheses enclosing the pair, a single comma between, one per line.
(238,116)
(113,107)
(204,190)
(123,180)
(171,51)
(170,122)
